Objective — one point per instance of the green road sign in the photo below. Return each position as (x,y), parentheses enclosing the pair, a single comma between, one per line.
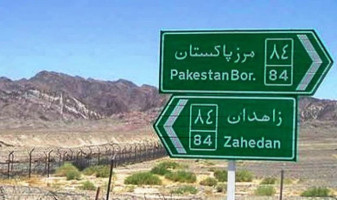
(219,127)
(256,62)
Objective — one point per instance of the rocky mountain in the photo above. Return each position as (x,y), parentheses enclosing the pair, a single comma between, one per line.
(55,96)
(50,96)
(317,109)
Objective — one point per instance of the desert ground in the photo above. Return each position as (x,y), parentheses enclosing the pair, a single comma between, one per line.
(316,166)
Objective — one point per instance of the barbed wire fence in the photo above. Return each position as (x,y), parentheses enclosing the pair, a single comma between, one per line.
(45,161)
(38,161)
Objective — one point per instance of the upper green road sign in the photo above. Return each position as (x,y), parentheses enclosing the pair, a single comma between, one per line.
(256,62)
(256,128)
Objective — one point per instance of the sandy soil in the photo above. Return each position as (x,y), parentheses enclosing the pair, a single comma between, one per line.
(76,134)
(317,164)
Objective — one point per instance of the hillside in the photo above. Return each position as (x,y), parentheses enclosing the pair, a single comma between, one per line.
(51,96)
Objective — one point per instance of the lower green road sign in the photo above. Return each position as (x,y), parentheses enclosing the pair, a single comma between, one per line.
(222,127)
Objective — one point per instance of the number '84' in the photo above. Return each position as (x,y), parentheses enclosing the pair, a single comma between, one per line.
(198,140)
(273,76)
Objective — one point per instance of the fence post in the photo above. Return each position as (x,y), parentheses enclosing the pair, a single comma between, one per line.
(136,148)
(125,155)
(156,151)
(72,153)
(45,162)
(98,156)
(106,150)
(48,166)
(110,177)
(130,154)
(60,157)
(97,193)
(281,184)
(88,157)
(145,152)
(30,163)
(116,152)
(78,154)
(116,159)
(64,157)
(12,162)
(153,151)
(10,156)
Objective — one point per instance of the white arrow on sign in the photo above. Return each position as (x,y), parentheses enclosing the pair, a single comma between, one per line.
(316,62)
(168,126)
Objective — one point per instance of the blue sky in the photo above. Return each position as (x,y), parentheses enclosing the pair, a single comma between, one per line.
(110,39)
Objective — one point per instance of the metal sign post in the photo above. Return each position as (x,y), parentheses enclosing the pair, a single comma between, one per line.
(231,180)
